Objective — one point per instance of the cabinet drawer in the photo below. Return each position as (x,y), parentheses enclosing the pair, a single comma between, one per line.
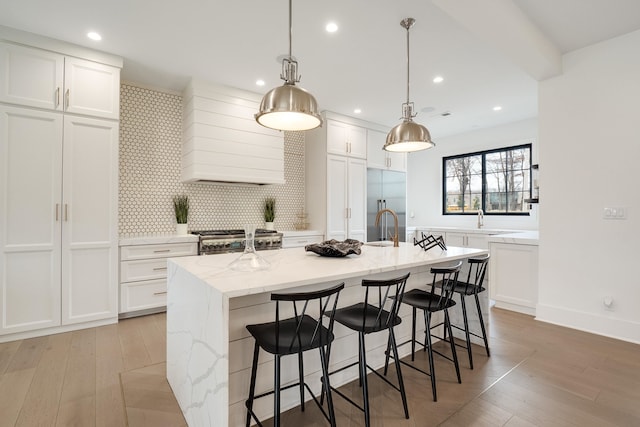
(167,250)
(143,295)
(146,269)
(300,241)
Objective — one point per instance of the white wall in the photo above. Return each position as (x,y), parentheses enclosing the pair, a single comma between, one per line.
(424,176)
(589,133)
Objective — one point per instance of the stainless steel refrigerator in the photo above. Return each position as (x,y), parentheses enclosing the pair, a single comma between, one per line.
(386,189)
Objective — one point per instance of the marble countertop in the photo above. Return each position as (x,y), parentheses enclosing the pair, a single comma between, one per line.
(156,239)
(294,267)
(520,238)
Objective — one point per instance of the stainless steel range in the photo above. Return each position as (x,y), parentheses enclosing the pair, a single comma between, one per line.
(225,241)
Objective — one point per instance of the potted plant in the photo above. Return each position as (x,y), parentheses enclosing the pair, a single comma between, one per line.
(269,212)
(181,208)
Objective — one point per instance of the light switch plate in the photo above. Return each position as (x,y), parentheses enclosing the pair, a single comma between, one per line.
(617,212)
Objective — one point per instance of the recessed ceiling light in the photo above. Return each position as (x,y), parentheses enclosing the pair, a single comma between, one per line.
(331,27)
(94,36)
(357,111)
(260,82)
(497,108)
(438,79)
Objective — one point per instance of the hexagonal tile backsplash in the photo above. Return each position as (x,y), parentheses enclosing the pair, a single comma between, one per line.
(150,151)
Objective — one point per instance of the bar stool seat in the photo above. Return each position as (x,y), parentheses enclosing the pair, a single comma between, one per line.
(295,335)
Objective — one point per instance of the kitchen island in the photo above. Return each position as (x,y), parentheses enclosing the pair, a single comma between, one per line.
(209,350)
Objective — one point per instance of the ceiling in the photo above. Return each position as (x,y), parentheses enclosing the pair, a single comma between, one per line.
(490,52)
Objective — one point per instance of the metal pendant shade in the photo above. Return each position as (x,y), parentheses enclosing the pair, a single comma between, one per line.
(408,136)
(289,107)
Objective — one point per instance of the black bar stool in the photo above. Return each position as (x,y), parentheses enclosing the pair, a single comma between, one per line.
(430,302)
(294,336)
(369,317)
(473,286)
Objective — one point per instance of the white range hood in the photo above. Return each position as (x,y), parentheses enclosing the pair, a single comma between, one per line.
(222,143)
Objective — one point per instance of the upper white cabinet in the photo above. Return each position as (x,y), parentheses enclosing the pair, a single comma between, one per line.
(346,139)
(39,78)
(381,159)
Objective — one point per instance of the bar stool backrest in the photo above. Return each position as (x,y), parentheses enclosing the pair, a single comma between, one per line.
(446,278)
(475,277)
(305,337)
(387,290)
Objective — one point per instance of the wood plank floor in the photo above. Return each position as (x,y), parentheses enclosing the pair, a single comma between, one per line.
(538,375)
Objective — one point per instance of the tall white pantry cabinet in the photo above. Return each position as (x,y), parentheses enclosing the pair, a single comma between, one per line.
(58,187)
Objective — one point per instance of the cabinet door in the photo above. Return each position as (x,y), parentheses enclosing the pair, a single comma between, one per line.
(89,238)
(357,204)
(376,156)
(337,197)
(30,189)
(397,161)
(478,241)
(456,239)
(91,88)
(357,142)
(30,77)
(346,139)
(337,137)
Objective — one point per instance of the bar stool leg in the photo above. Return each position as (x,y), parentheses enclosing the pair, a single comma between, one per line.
(326,387)
(484,332)
(276,395)
(387,355)
(432,371)
(363,379)
(466,329)
(453,345)
(301,375)
(252,386)
(392,339)
(413,336)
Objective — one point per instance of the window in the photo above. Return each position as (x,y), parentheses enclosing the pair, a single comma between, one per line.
(496,181)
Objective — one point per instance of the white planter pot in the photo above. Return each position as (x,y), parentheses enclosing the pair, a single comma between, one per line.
(268,225)
(181,229)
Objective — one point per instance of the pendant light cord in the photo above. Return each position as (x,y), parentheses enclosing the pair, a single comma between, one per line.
(290,30)
(408,26)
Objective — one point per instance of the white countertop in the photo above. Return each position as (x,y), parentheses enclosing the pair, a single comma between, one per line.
(156,239)
(520,238)
(294,267)
(299,233)
(470,230)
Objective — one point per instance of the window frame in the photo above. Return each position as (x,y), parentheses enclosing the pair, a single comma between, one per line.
(483,154)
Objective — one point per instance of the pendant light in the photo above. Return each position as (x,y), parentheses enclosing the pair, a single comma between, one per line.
(289,107)
(408,135)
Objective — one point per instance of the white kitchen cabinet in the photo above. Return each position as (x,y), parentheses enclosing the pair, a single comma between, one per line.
(39,78)
(300,239)
(30,223)
(143,274)
(347,198)
(58,185)
(514,276)
(58,189)
(346,139)
(336,184)
(467,240)
(378,158)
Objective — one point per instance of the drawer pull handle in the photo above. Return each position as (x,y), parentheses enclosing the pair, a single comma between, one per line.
(159,268)
(160,293)
(161,251)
